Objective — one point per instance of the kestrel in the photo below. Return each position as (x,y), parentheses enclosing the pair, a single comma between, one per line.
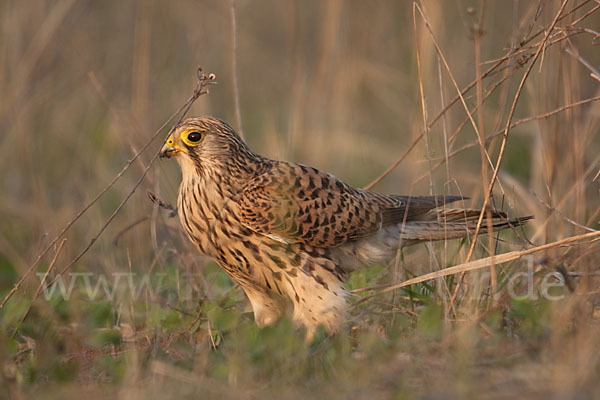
(289,234)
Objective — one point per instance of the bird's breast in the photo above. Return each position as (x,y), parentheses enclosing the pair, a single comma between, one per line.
(201,212)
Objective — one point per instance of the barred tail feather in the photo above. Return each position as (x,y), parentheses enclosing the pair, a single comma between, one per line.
(435,225)
(458,223)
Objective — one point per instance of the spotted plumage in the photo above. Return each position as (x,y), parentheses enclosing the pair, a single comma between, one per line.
(288,234)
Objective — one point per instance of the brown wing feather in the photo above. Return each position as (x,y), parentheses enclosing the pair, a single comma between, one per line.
(416,208)
(300,204)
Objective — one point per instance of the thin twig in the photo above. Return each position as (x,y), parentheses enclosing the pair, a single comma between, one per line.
(200,89)
(496,65)
(39,289)
(478,264)
(500,132)
(115,114)
(236,88)
(127,228)
(513,108)
(422,95)
(593,71)
(439,115)
(210,335)
(560,214)
(156,200)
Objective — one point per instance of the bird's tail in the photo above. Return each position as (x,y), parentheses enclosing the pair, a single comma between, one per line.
(458,223)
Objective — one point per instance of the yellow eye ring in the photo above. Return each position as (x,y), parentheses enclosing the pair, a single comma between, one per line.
(192,138)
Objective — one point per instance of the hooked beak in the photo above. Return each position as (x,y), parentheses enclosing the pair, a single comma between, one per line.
(170,149)
(166,151)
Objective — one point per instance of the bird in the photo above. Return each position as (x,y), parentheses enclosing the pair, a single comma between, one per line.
(289,234)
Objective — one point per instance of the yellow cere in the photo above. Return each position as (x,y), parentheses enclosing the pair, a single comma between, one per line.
(171,142)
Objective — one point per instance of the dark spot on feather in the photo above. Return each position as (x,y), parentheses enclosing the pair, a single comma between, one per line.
(251,246)
(236,235)
(278,261)
(295,261)
(267,283)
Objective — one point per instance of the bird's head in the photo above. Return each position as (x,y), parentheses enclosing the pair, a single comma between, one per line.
(206,143)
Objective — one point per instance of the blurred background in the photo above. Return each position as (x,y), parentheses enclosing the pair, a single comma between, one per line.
(333,84)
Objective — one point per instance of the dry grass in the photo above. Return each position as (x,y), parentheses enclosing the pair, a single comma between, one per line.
(494,100)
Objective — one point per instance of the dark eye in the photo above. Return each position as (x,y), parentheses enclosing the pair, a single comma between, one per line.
(194,136)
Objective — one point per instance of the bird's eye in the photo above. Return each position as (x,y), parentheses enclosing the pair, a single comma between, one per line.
(192,138)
